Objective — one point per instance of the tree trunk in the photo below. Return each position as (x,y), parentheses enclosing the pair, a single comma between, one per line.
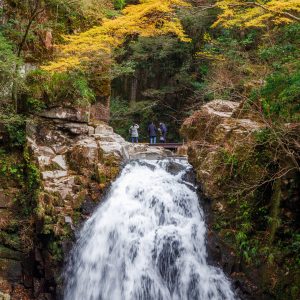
(274,215)
(133,92)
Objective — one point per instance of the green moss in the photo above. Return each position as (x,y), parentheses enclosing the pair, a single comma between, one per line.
(56,250)
(52,167)
(40,211)
(76,217)
(10,240)
(77,202)
(295,292)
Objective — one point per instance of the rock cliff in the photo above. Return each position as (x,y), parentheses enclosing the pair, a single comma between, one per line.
(249,178)
(67,165)
(212,133)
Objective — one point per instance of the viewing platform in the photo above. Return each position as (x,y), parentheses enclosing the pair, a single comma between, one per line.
(169,146)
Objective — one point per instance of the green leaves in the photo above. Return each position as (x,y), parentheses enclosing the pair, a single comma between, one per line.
(281,94)
(45,89)
(15,126)
(8,76)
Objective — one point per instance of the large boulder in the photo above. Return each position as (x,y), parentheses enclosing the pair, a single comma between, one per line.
(214,138)
(202,123)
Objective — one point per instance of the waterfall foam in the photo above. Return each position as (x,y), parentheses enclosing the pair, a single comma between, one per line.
(146,241)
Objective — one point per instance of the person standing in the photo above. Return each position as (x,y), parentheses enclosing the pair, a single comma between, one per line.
(163,129)
(161,138)
(133,130)
(152,133)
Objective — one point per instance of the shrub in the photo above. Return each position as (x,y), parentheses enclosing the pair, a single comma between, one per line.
(66,89)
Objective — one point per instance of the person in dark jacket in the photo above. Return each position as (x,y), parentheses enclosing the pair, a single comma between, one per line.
(163,129)
(152,133)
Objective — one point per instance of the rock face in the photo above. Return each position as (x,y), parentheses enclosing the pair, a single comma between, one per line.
(12,254)
(246,201)
(76,162)
(68,114)
(215,138)
(212,133)
(69,154)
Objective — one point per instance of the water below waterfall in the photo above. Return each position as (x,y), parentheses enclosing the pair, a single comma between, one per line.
(146,241)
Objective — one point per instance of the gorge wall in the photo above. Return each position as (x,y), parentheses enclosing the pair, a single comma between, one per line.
(67,164)
(70,160)
(252,189)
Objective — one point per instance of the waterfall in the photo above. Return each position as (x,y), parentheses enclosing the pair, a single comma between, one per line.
(146,241)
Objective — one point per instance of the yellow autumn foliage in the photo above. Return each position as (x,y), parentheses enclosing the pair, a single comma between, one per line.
(148,18)
(258,14)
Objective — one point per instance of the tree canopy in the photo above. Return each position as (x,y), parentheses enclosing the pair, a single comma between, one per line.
(148,18)
(245,14)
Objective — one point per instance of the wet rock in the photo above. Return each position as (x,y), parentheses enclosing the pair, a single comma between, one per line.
(190,176)
(174,167)
(141,151)
(88,206)
(221,255)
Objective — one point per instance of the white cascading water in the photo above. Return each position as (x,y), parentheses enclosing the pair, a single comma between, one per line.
(146,241)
